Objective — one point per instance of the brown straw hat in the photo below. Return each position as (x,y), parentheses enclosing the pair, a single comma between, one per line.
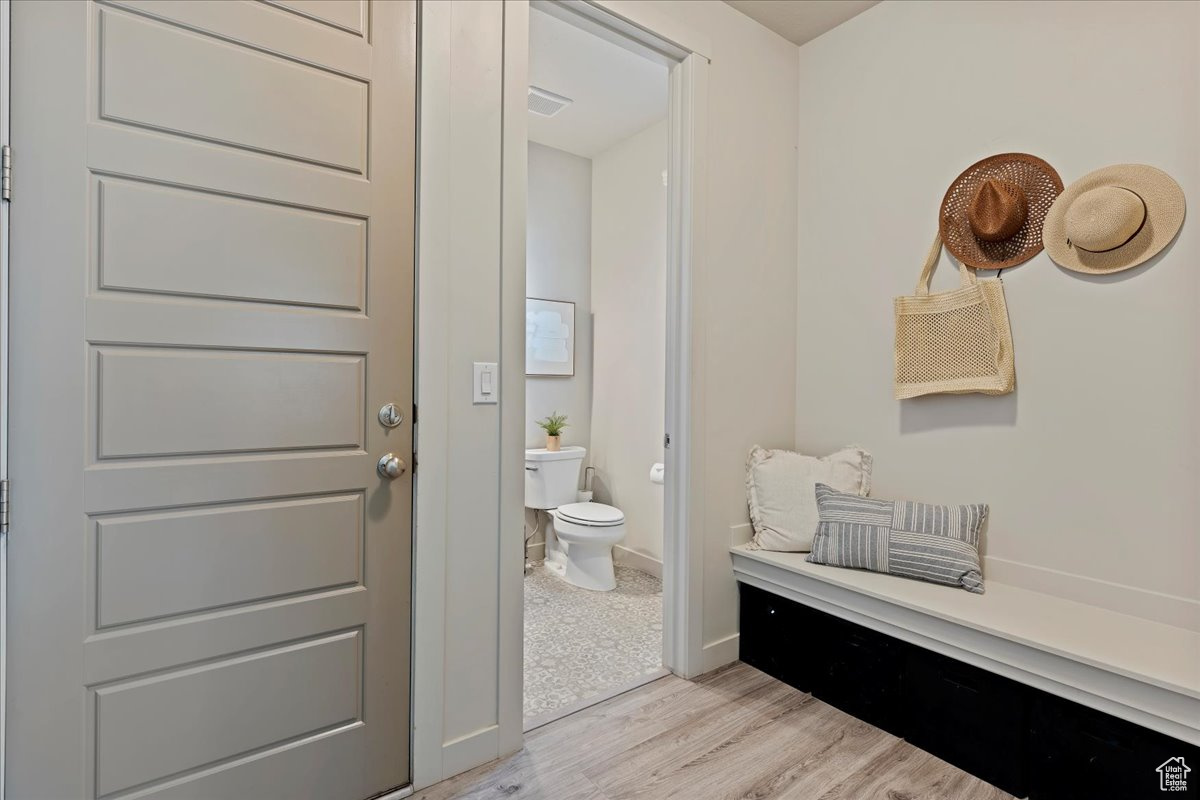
(1114,218)
(992,214)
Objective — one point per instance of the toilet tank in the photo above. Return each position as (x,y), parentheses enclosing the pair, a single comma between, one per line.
(552,478)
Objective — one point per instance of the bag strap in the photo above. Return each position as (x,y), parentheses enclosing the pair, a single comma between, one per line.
(966,276)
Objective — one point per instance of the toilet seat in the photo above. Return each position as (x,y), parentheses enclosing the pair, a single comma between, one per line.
(591,515)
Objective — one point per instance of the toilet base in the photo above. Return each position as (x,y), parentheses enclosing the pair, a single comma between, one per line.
(590,566)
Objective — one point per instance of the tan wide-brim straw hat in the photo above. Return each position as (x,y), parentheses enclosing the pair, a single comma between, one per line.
(1114,218)
(991,216)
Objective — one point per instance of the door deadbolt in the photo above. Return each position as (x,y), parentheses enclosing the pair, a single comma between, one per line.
(390,416)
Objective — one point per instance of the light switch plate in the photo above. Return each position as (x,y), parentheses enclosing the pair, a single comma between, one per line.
(486,382)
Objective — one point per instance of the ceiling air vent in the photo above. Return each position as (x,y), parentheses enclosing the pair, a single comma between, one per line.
(546,104)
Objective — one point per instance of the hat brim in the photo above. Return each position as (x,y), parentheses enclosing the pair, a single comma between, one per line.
(1165,209)
(1041,185)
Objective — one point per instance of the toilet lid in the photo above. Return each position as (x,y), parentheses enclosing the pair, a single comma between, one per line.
(591,514)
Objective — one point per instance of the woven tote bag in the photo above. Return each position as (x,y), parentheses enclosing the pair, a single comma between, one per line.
(953,342)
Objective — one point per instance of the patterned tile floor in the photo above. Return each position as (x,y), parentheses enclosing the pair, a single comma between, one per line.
(580,643)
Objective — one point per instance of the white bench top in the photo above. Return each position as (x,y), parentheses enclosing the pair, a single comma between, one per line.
(1120,646)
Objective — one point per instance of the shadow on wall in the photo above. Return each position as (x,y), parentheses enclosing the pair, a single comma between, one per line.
(947,411)
(601,491)
(1125,274)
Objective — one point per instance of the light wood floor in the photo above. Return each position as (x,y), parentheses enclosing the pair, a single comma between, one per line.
(736,733)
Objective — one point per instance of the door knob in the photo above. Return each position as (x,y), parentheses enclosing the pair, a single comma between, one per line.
(390,467)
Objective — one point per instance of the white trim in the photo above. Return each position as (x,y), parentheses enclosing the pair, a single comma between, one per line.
(717,654)
(1151,706)
(514,143)
(471,750)
(434,34)
(652,27)
(683,551)
(398,794)
(5,45)
(1180,612)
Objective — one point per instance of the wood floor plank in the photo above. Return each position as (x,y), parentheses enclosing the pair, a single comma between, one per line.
(736,734)
(642,766)
(905,772)
(557,753)
(843,750)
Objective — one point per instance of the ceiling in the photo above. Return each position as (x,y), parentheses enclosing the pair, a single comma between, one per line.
(800,21)
(616,91)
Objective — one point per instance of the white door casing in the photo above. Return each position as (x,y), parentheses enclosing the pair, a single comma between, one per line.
(209,583)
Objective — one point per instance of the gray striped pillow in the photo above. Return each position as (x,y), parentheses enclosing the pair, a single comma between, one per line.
(914,540)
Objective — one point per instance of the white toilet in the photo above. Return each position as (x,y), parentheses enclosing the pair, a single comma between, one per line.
(579,548)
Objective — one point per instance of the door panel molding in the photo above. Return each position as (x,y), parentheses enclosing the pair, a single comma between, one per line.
(226,108)
(154,239)
(152,566)
(147,724)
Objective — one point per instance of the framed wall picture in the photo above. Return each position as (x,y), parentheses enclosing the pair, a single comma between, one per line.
(549,337)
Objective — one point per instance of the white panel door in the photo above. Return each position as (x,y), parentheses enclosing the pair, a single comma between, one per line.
(212,273)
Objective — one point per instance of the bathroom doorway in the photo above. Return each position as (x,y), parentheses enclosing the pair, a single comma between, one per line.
(597,232)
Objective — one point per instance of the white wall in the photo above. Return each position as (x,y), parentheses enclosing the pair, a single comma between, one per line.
(558,241)
(629,304)
(1091,467)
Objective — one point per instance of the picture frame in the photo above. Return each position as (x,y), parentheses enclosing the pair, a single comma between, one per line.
(549,338)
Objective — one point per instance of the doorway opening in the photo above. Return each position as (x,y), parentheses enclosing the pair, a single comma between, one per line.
(597,233)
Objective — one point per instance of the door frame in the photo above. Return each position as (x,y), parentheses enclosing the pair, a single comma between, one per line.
(685,52)
(642,27)
(5,73)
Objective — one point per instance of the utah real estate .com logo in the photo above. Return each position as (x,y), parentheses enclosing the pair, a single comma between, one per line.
(1172,775)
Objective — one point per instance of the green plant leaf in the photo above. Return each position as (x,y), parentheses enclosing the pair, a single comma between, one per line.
(553,425)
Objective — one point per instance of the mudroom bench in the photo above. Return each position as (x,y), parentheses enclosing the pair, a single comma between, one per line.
(1041,696)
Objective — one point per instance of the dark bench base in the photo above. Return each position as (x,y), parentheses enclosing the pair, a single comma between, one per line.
(1023,740)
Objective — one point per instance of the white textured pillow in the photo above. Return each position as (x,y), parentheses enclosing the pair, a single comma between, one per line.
(781,490)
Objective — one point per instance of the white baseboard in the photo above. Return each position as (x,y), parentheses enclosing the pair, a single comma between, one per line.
(535,552)
(639,561)
(1179,612)
(740,534)
(467,752)
(719,653)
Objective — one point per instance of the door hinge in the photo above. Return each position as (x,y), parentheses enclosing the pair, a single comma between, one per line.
(4,506)
(666,441)
(6,175)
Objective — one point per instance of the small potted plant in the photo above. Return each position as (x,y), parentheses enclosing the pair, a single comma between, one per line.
(553,426)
